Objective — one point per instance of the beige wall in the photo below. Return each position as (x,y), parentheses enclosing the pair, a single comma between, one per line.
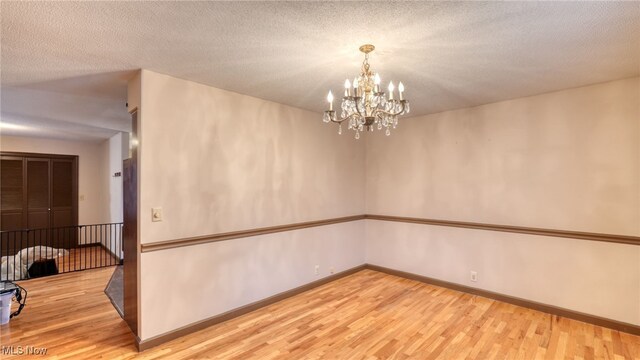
(118,151)
(567,160)
(217,161)
(93,174)
(134,92)
(184,285)
(592,277)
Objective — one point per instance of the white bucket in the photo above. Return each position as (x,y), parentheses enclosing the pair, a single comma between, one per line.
(5,307)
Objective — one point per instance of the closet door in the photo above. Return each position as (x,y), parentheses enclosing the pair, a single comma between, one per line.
(38,193)
(38,197)
(12,193)
(62,196)
(12,203)
(62,202)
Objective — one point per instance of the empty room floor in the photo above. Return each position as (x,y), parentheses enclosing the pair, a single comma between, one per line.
(365,315)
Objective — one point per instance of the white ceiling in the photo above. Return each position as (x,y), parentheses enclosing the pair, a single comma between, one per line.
(448,54)
(62,115)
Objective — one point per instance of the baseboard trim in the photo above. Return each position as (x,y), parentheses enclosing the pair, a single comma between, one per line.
(191,328)
(549,309)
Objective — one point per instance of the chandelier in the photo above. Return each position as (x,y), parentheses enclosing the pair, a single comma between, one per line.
(364,106)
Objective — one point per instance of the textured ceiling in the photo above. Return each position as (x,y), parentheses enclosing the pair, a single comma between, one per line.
(448,54)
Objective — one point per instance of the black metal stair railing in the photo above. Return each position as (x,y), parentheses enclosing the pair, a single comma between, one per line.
(30,253)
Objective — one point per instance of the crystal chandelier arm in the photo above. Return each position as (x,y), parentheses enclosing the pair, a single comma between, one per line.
(375,109)
(341,120)
(402,102)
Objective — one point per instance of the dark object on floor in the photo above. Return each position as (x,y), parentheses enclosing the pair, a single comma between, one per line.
(114,290)
(43,267)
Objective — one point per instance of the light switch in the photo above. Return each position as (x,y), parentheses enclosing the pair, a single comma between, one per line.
(156,214)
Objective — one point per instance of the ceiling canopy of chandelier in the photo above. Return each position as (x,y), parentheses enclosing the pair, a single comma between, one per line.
(364,106)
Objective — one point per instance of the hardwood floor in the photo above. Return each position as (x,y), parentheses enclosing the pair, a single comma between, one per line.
(366,315)
(88,257)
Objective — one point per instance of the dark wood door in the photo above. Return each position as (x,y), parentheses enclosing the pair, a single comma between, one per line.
(63,177)
(38,193)
(12,204)
(12,193)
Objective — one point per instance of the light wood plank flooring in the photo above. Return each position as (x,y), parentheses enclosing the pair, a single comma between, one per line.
(88,257)
(366,315)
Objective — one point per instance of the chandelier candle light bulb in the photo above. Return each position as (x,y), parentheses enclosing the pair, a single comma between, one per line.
(355,87)
(367,107)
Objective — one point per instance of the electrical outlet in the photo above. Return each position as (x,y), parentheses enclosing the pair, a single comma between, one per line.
(474,276)
(317,269)
(156,214)
(332,270)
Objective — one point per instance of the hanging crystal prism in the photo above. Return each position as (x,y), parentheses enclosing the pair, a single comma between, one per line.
(365,105)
